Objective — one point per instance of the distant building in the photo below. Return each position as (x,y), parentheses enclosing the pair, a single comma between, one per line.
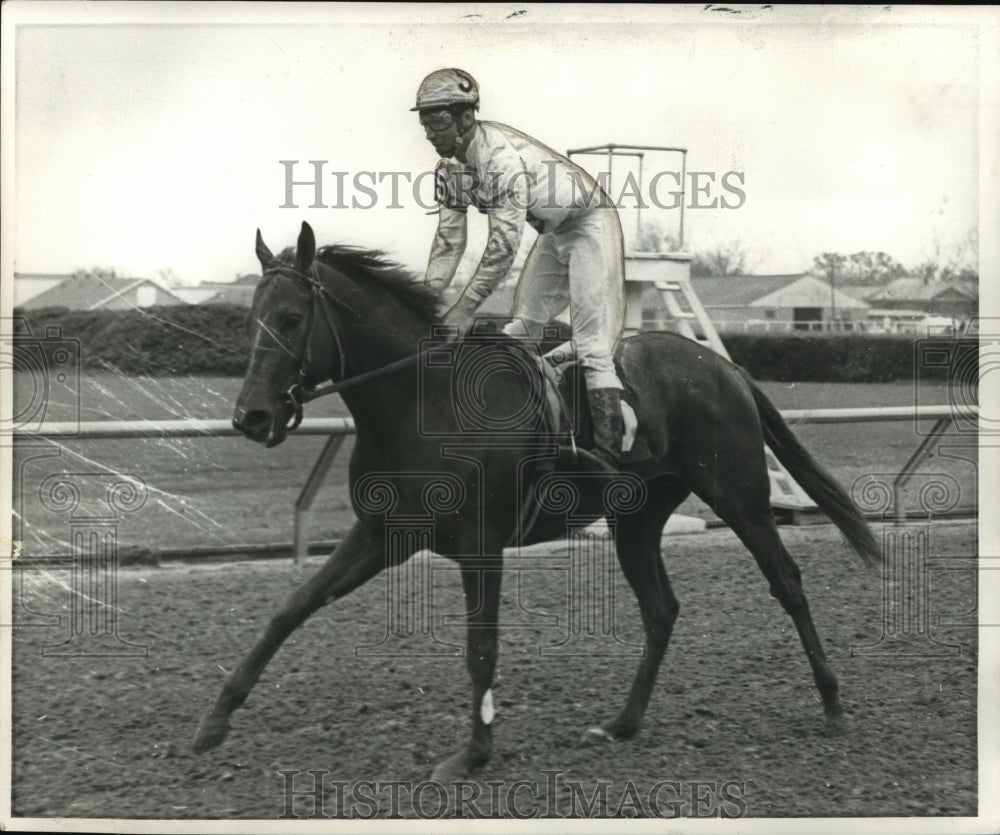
(778,303)
(195,295)
(950,299)
(29,285)
(89,291)
(240,295)
(238,292)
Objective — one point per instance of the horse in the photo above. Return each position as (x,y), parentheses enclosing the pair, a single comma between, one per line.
(351,316)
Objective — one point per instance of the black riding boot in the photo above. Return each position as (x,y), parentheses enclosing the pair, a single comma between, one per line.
(609,425)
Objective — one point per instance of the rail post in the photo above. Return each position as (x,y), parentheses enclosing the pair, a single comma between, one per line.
(308,493)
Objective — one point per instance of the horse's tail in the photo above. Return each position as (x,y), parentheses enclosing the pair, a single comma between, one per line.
(818,484)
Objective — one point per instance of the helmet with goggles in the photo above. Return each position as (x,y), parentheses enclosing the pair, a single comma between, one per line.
(444,88)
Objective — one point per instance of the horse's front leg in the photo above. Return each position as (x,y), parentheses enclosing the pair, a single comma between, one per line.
(358,558)
(481,582)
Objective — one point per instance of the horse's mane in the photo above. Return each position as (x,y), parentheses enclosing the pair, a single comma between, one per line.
(367,265)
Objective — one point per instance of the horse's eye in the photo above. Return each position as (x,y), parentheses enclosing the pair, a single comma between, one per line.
(291,320)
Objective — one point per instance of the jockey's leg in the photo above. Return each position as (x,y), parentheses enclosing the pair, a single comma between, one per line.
(542,290)
(597,305)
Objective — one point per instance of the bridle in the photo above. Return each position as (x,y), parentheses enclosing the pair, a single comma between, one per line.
(299,392)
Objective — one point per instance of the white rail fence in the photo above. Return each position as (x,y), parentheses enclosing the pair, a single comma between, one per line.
(336,429)
(859,326)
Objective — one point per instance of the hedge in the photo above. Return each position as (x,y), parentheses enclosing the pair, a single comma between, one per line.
(213,340)
(850,358)
(158,341)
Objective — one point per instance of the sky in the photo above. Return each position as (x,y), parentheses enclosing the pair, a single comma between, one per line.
(154,144)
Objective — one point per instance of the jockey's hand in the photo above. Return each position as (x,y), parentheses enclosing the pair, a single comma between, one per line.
(461,316)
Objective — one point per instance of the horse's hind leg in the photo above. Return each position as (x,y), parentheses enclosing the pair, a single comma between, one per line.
(637,541)
(358,558)
(748,514)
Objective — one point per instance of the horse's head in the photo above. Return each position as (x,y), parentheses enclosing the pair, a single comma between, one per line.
(281,333)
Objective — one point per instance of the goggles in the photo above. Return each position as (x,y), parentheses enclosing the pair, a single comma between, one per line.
(437,120)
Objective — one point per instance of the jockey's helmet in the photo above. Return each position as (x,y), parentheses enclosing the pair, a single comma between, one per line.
(443,88)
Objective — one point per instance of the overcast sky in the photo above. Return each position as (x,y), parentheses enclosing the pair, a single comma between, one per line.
(155,145)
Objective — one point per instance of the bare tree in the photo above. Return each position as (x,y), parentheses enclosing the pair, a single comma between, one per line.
(652,238)
(169,278)
(959,262)
(728,259)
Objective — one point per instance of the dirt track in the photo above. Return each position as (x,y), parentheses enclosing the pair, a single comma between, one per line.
(109,736)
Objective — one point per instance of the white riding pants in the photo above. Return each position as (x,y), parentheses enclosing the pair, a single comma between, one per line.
(580,265)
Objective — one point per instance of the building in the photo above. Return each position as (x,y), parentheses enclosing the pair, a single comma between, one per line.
(90,291)
(948,299)
(235,293)
(196,295)
(29,285)
(764,303)
(238,292)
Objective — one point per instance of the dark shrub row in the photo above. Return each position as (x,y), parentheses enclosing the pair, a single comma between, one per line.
(850,358)
(206,340)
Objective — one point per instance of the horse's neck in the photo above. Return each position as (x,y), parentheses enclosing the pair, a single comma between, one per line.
(379,330)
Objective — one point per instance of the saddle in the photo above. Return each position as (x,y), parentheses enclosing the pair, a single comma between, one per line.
(566,414)
(563,414)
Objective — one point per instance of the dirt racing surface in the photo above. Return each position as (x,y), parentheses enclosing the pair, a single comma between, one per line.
(367,693)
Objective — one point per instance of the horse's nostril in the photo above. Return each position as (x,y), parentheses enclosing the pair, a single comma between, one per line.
(252,421)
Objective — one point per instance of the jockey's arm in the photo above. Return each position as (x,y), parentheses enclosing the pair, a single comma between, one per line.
(507,216)
(447,248)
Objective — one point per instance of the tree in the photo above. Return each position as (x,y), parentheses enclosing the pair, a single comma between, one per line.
(652,238)
(169,278)
(97,272)
(727,259)
(859,269)
(957,263)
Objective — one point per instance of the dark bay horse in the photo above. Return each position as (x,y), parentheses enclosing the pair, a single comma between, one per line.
(345,315)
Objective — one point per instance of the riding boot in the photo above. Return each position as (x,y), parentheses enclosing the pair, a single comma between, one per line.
(609,425)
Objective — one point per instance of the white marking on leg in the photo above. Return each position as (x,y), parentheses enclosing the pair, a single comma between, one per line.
(486,711)
(631,426)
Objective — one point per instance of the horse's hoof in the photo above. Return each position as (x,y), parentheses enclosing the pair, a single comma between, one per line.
(836,725)
(598,734)
(212,732)
(614,731)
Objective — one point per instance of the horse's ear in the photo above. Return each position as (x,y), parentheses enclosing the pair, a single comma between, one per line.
(305,249)
(263,253)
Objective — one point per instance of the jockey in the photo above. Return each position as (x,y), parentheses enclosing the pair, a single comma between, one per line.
(577,260)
